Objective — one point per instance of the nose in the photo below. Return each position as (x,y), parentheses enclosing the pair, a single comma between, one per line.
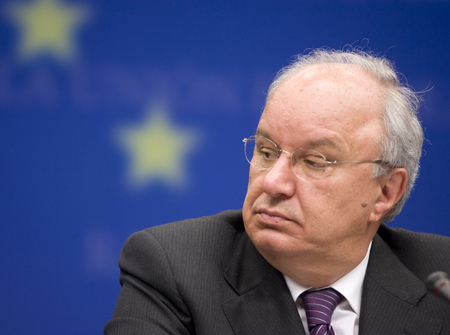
(280,180)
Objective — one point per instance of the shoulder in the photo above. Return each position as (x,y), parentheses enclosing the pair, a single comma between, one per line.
(422,253)
(214,229)
(174,273)
(400,238)
(227,220)
(197,240)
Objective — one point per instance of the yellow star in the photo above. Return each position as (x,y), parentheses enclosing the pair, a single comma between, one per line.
(157,150)
(47,27)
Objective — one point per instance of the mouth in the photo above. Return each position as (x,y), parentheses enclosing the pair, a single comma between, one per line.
(271,217)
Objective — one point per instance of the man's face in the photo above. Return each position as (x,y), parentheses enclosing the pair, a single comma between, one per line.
(336,111)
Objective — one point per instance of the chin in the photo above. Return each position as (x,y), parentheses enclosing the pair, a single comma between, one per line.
(271,242)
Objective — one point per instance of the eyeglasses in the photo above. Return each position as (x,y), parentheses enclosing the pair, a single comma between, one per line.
(262,153)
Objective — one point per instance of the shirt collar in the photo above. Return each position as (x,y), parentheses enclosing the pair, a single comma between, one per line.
(350,285)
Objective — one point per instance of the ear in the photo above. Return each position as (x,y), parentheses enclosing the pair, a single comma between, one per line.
(392,189)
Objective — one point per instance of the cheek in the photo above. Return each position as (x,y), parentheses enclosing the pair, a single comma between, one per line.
(254,189)
(350,204)
(255,181)
(333,201)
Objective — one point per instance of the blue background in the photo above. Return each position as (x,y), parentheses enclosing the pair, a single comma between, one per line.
(67,204)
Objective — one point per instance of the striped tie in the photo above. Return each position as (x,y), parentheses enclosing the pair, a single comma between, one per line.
(319,306)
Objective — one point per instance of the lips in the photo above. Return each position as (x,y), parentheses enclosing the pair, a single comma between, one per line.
(271,217)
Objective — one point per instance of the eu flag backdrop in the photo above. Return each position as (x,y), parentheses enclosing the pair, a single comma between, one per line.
(120,115)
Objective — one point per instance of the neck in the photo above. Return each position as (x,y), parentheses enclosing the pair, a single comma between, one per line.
(316,271)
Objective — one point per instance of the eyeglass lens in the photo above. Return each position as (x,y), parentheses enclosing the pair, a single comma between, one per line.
(263,154)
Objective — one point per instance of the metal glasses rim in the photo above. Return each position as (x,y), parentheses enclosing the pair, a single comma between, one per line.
(375,161)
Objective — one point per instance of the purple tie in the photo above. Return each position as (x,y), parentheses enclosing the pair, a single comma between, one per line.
(319,306)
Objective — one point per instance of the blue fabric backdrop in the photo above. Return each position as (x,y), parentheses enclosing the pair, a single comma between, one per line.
(119,115)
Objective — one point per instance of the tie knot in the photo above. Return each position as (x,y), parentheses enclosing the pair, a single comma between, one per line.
(320,305)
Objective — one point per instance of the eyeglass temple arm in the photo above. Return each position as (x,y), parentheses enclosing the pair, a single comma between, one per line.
(376,161)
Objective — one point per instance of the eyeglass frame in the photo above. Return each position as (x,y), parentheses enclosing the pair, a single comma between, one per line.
(280,151)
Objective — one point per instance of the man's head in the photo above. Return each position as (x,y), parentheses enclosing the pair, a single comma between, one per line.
(403,135)
(349,107)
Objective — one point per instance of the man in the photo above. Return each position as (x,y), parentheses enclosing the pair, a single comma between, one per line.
(335,153)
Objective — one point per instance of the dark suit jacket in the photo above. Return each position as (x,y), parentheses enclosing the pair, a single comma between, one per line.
(204,276)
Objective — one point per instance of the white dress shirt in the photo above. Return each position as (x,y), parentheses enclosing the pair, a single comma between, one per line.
(345,319)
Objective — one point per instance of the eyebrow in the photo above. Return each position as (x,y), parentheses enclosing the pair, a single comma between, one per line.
(311,144)
(260,132)
(323,142)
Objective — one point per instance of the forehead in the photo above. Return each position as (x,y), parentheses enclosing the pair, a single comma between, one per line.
(326,105)
(308,143)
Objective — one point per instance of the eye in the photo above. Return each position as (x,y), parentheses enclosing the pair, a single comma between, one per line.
(314,161)
(268,154)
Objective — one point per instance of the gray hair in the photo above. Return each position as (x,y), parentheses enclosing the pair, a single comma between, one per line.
(401,142)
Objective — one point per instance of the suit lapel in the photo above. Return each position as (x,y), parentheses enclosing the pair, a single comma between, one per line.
(390,297)
(264,305)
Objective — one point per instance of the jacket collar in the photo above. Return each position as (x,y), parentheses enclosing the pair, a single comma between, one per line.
(264,305)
